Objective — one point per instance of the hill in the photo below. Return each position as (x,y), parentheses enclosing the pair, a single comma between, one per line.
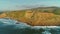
(42,16)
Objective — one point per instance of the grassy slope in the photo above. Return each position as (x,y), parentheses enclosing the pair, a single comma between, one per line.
(37,18)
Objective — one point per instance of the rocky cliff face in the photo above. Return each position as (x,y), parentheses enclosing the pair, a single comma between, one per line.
(3,15)
(35,17)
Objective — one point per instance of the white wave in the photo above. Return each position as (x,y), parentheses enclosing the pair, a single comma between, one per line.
(22,25)
(38,27)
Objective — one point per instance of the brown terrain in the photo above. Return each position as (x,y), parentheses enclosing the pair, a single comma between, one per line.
(3,15)
(39,17)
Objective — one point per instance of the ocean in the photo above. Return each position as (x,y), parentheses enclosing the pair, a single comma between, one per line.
(9,26)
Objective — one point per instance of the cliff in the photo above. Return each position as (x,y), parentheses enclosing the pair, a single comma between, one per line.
(36,17)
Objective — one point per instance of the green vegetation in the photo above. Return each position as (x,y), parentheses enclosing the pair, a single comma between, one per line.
(57,11)
(16,14)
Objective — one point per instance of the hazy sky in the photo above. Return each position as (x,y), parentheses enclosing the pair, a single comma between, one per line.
(22,4)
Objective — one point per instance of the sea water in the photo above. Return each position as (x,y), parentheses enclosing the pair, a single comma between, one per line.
(9,26)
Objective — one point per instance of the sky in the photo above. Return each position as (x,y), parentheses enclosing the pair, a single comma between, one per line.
(25,4)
